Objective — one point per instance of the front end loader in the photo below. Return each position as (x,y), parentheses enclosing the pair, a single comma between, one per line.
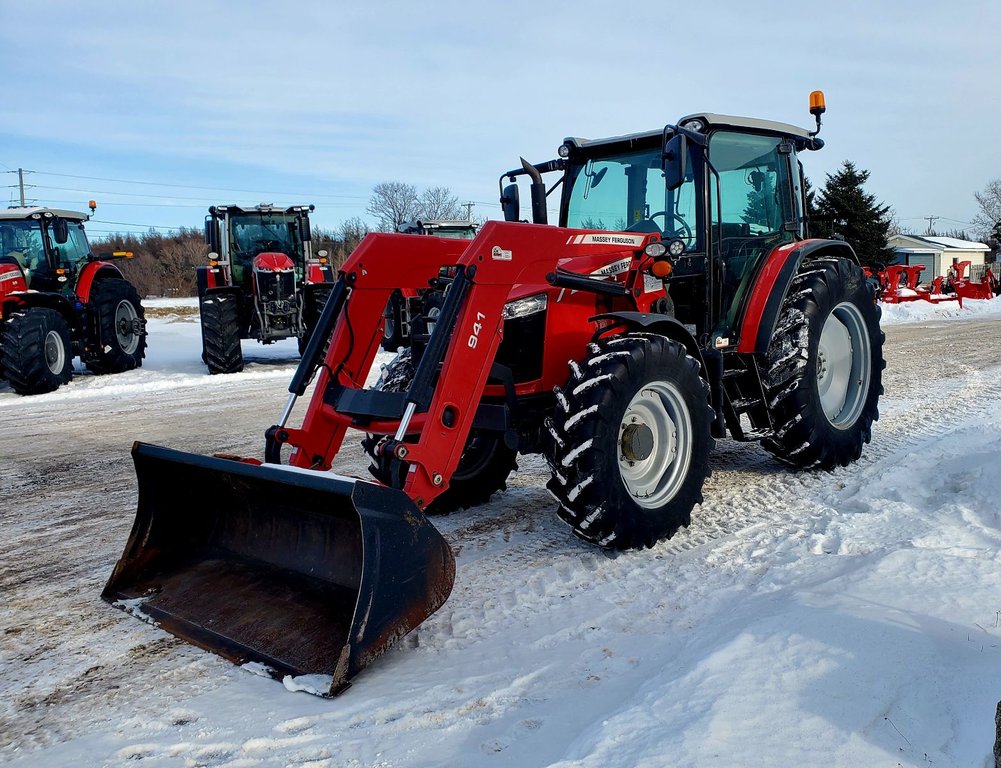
(679,301)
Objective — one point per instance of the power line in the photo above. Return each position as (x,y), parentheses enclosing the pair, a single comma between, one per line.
(141,194)
(192,186)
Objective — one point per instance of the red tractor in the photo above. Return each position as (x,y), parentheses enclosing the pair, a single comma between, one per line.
(679,301)
(58,300)
(262,281)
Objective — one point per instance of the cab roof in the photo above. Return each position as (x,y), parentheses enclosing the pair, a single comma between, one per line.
(8,214)
(711,119)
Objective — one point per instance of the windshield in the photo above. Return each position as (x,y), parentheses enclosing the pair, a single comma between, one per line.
(453,233)
(626,191)
(254,233)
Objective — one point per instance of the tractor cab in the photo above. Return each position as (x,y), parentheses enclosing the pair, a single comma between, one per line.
(722,192)
(50,246)
(247,233)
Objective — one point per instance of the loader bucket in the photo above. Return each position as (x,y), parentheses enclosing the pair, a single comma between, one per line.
(306,573)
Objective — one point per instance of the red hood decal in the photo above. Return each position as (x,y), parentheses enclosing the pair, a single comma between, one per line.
(272,262)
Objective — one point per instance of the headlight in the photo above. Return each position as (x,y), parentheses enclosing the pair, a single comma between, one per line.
(529,305)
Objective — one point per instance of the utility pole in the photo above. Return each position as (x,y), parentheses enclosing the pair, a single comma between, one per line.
(469,210)
(20,179)
(931,221)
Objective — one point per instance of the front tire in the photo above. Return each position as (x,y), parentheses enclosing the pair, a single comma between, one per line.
(630,442)
(825,367)
(483,468)
(121,327)
(36,350)
(221,350)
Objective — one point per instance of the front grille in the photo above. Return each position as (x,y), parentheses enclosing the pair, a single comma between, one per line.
(522,347)
(276,286)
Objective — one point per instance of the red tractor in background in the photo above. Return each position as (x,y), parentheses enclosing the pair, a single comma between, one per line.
(678,301)
(58,300)
(405,304)
(262,281)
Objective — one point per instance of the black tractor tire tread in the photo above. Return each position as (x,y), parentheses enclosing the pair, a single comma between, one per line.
(104,299)
(319,301)
(803,436)
(585,478)
(221,349)
(22,349)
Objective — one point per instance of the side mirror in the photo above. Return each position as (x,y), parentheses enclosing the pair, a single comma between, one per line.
(511,202)
(212,234)
(60,230)
(304,233)
(675,161)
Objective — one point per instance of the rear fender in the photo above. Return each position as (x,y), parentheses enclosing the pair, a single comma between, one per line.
(771,286)
(92,272)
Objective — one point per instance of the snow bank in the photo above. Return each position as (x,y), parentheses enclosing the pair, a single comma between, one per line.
(923,311)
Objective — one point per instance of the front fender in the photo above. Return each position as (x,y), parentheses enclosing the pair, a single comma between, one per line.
(710,360)
(659,324)
(93,271)
(769,291)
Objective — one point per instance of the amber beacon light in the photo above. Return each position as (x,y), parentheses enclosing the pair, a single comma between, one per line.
(817,104)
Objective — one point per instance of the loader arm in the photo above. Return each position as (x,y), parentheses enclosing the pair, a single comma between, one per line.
(502,255)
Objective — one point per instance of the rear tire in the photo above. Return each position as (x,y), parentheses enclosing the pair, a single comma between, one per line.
(630,442)
(121,325)
(36,350)
(221,350)
(483,468)
(825,367)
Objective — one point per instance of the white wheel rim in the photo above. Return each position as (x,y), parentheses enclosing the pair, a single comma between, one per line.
(844,365)
(125,326)
(654,476)
(55,352)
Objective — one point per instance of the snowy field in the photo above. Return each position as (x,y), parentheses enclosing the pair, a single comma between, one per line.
(846,618)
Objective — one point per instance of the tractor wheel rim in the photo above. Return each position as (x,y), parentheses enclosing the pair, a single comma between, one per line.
(55,352)
(844,366)
(654,465)
(125,327)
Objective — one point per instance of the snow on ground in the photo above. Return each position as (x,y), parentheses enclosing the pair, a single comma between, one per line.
(845,618)
(919,311)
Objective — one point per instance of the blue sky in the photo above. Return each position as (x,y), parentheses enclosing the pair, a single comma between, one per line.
(319,101)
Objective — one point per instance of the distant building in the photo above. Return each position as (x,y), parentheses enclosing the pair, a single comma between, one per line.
(936,253)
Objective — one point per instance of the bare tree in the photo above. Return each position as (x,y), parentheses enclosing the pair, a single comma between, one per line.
(393,203)
(989,214)
(440,203)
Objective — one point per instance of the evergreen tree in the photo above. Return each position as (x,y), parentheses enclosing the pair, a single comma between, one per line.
(843,209)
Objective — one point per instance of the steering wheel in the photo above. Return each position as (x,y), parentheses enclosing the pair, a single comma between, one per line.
(268,245)
(683,231)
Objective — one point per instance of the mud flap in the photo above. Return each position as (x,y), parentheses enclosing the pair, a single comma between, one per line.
(306,573)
